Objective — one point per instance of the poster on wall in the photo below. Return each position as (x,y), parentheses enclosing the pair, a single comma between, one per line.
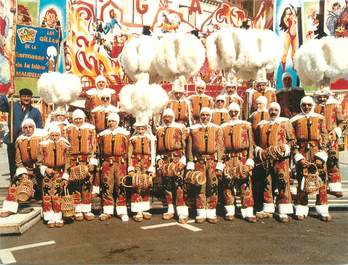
(336,18)
(336,25)
(312,20)
(28,12)
(263,18)
(286,26)
(6,54)
(53,16)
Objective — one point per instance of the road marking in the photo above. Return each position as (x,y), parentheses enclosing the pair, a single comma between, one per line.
(7,257)
(187,226)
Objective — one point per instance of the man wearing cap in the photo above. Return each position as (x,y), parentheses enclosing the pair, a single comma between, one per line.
(99,114)
(199,100)
(141,165)
(113,143)
(21,111)
(331,109)
(239,147)
(94,95)
(289,97)
(27,149)
(310,157)
(274,139)
(220,113)
(204,154)
(82,137)
(53,161)
(179,104)
(171,161)
(261,112)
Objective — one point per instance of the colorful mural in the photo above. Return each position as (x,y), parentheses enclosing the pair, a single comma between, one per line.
(98,30)
(7,9)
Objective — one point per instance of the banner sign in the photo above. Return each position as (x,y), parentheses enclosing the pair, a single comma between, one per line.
(53,16)
(36,51)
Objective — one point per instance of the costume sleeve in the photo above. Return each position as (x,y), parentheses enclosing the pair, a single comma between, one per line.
(220,144)
(290,134)
(19,162)
(189,154)
(130,153)
(323,135)
(251,143)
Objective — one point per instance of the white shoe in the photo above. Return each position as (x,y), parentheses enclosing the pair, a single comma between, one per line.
(124,217)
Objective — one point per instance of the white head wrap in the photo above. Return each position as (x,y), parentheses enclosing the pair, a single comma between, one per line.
(78,114)
(100,78)
(28,121)
(262,100)
(113,116)
(308,100)
(168,112)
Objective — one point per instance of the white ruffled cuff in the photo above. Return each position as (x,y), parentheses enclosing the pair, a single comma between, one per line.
(298,157)
(338,132)
(183,160)
(287,150)
(219,166)
(95,190)
(322,155)
(93,161)
(65,176)
(130,169)
(21,170)
(257,150)
(151,169)
(43,170)
(190,166)
(250,163)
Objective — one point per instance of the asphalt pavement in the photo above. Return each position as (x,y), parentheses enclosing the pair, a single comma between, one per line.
(238,242)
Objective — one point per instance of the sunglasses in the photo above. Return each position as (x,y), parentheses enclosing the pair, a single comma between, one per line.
(105,98)
(220,101)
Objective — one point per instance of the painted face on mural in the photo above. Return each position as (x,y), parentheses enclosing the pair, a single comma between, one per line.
(51,19)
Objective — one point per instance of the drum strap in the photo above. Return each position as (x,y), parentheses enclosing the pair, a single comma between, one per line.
(105,120)
(309,124)
(268,133)
(29,151)
(179,111)
(200,104)
(221,118)
(112,145)
(231,135)
(142,145)
(79,137)
(164,138)
(55,154)
(206,138)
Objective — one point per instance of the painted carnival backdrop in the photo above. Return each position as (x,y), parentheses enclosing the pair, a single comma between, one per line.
(92,32)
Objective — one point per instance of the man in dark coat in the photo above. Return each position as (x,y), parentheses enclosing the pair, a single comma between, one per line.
(22,110)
